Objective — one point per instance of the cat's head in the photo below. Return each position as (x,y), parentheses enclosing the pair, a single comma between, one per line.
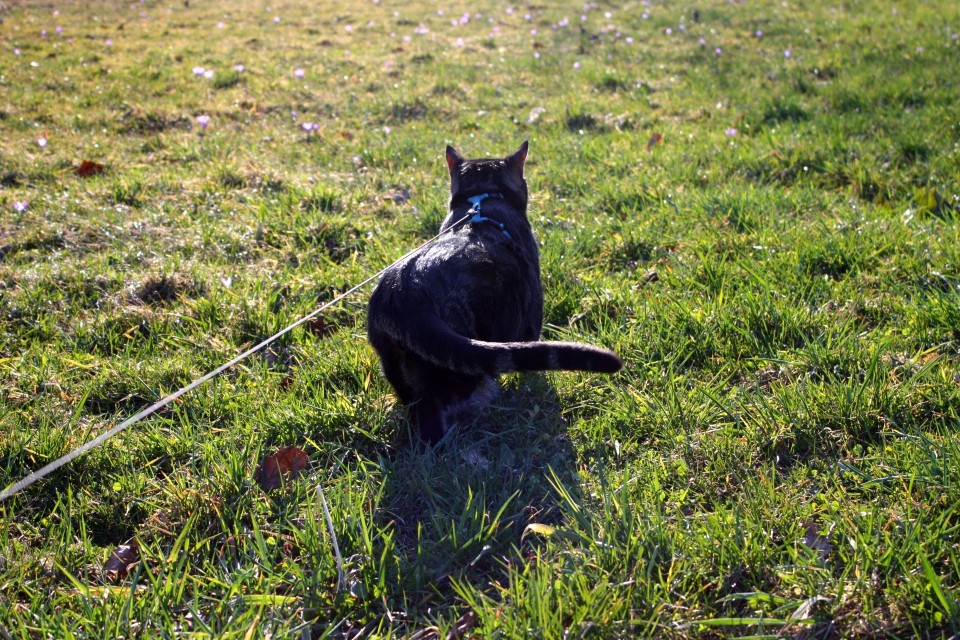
(488,175)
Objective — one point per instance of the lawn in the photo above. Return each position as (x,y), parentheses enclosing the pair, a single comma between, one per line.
(754,203)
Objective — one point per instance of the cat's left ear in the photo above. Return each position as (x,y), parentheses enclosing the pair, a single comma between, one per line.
(519,157)
(454,160)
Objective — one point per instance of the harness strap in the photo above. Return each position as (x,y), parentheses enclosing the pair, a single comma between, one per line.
(477,217)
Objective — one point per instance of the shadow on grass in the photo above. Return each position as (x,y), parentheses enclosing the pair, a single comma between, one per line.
(458,512)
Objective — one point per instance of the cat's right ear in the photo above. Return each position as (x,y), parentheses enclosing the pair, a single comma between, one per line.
(454,160)
(519,156)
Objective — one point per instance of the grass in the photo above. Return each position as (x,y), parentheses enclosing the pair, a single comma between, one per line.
(780,269)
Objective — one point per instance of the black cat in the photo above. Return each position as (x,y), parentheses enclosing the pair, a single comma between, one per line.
(448,319)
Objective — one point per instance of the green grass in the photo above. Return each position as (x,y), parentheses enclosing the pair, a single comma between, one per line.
(781,273)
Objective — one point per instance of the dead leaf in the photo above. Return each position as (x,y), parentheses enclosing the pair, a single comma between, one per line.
(813,540)
(123,559)
(397,196)
(89,168)
(655,139)
(476,459)
(542,529)
(535,114)
(463,625)
(346,135)
(285,464)
(320,327)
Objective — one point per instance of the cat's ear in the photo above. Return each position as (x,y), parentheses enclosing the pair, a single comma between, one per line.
(454,160)
(518,158)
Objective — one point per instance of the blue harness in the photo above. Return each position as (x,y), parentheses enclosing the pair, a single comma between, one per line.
(477,217)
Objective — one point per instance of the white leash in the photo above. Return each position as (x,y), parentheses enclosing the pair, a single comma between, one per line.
(96,442)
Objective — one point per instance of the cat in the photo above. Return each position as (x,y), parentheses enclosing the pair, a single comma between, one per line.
(448,319)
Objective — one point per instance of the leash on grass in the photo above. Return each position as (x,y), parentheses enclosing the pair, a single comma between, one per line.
(96,442)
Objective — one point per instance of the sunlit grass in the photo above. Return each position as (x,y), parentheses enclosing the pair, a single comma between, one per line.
(754,203)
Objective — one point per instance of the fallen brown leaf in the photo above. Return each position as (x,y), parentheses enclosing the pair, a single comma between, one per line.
(813,540)
(654,140)
(399,195)
(122,560)
(89,168)
(275,470)
(320,327)
(463,625)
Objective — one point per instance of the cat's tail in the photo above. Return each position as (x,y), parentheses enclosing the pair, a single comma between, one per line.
(507,357)
(452,351)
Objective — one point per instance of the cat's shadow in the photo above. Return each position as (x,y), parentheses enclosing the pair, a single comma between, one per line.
(460,510)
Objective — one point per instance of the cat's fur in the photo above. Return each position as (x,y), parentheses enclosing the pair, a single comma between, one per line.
(448,319)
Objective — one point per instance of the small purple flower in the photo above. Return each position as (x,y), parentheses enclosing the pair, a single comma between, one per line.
(220,25)
(310,127)
(20,206)
(276,19)
(668,31)
(43,33)
(16,52)
(386,130)
(42,141)
(203,121)
(199,71)
(59,29)
(299,73)
(208,74)
(702,42)
(108,42)
(238,68)
(576,65)
(732,131)
(464,19)
(759,33)
(565,22)
(718,51)
(786,53)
